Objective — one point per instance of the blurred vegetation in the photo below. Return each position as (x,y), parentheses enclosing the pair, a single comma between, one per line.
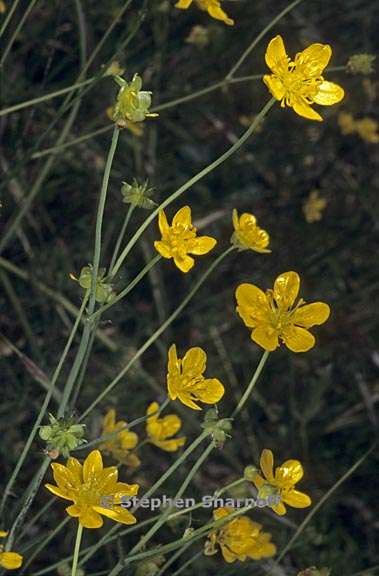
(319,407)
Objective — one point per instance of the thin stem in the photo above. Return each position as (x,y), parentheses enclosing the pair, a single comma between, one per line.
(17,30)
(186,564)
(9,16)
(251,384)
(258,38)
(44,407)
(99,219)
(121,237)
(236,146)
(76,549)
(157,333)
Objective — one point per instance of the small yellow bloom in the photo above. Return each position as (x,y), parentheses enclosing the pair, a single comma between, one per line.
(9,560)
(366,128)
(282,483)
(161,430)
(213,7)
(313,207)
(121,444)
(248,235)
(240,539)
(273,315)
(94,491)
(180,239)
(299,83)
(185,379)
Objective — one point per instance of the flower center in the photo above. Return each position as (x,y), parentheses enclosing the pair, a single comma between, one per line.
(89,493)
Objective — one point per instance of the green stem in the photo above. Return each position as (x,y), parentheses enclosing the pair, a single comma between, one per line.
(76,549)
(17,30)
(251,384)
(9,16)
(44,407)
(156,334)
(121,237)
(186,564)
(236,146)
(258,38)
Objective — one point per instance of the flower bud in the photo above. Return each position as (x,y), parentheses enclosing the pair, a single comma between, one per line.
(250,473)
(217,428)
(61,436)
(104,291)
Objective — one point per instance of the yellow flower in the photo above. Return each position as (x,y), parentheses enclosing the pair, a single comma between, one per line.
(213,7)
(273,316)
(94,491)
(248,235)
(366,128)
(185,379)
(160,430)
(121,443)
(9,560)
(313,207)
(240,539)
(299,83)
(282,483)
(179,239)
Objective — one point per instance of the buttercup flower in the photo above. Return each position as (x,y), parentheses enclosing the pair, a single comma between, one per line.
(120,444)
(179,240)
(282,483)
(273,316)
(299,83)
(239,539)
(160,430)
(9,560)
(94,491)
(185,379)
(213,7)
(248,235)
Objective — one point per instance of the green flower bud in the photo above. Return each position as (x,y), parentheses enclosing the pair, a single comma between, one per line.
(62,436)
(132,103)
(104,291)
(361,64)
(217,428)
(138,195)
(250,473)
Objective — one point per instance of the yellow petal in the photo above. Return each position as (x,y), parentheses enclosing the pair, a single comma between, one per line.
(258,481)
(74,510)
(267,464)
(109,420)
(10,560)
(303,109)
(252,304)
(235,220)
(247,220)
(280,509)
(329,93)
(216,12)
(297,499)
(266,337)
(121,489)
(228,555)
(64,478)
(61,492)
(275,85)
(221,513)
(163,249)
(202,245)
(76,469)
(313,59)
(184,264)
(297,339)
(276,55)
(117,514)
(290,472)
(182,217)
(3,533)
(311,314)
(93,465)
(183,4)
(170,445)
(89,518)
(286,289)
(210,392)
(162,223)
(128,440)
(186,399)
(194,361)
(152,408)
